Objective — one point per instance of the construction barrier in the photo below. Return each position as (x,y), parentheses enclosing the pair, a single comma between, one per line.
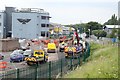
(3,65)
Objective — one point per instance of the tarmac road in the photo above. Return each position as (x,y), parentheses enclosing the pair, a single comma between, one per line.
(12,66)
(23,65)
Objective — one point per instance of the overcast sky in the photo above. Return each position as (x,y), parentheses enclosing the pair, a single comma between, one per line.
(69,11)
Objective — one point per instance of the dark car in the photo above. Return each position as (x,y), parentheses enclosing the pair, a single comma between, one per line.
(16,57)
(1,56)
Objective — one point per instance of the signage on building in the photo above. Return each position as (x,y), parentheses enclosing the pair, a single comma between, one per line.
(23,21)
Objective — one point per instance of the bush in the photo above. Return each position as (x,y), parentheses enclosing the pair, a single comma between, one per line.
(99,33)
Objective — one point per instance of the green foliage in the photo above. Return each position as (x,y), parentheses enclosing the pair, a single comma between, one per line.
(95,47)
(103,33)
(93,25)
(119,34)
(99,33)
(104,63)
(85,26)
(113,34)
(112,21)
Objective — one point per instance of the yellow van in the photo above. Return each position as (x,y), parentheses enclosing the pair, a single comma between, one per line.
(51,48)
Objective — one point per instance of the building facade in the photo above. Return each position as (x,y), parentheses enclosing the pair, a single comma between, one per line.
(6,22)
(2,24)
(30,23)
(26,23)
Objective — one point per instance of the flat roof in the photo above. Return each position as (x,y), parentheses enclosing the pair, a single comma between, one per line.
(112,26)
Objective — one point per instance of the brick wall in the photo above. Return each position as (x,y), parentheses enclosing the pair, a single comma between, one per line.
(9,44)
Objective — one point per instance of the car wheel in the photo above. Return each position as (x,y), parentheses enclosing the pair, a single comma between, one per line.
(2,57)
(30,63)
(19,60)
(11,61)
(59,50)
(66,56)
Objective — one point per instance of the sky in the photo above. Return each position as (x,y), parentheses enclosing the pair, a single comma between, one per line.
(69,11)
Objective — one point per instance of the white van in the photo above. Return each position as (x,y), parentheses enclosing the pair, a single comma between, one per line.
(27,53)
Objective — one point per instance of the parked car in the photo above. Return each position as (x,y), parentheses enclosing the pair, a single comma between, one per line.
(1,56)
(27,52)
(16,56)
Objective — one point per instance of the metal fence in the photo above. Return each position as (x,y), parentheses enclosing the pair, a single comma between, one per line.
(50,69)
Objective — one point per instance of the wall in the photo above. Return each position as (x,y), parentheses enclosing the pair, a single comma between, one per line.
(9,44)
(27,30)
(42,21)
(9,11)
(2,14)
(30,30)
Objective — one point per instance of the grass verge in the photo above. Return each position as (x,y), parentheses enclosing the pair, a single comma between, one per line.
(103,63)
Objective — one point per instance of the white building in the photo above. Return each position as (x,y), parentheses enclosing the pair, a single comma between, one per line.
(30,23)
(2,24)
(6,22)
(109,28)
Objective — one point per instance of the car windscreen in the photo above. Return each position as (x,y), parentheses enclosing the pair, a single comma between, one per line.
(38,53)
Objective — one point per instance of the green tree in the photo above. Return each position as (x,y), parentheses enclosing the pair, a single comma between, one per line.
(93,26)
(119,34)
(99,33)
(103,33)
(112,21)
(113,33)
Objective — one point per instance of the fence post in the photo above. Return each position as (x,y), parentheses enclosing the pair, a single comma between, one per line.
(50,70)
(18,74)
(36,73)
(61,67)
(84,56)
(71,63)
(88,50)
(79,59)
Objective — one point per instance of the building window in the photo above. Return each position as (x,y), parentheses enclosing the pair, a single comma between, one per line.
(47,34)
(48,17)
(42,25)
(47,25)
(43,17)
(43,33)
(0,16)
(0,24)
